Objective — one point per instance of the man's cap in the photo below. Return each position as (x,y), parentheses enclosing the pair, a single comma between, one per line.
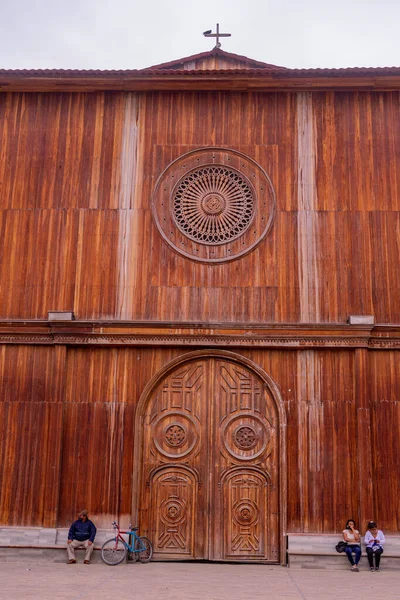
(84,513)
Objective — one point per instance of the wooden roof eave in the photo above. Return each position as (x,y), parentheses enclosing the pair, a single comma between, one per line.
(196,82)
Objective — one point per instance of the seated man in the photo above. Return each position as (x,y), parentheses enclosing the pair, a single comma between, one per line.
(81,535)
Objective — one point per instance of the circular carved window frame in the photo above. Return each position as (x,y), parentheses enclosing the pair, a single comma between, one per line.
(211,203)
(252,233)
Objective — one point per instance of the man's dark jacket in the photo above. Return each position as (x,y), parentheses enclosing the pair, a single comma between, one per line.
(82,531)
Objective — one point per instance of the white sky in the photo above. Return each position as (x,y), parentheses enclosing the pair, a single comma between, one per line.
(122,34)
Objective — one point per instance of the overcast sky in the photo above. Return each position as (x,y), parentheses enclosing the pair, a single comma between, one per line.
(128,34)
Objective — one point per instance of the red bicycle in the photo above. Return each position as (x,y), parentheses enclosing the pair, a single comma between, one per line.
(116,549)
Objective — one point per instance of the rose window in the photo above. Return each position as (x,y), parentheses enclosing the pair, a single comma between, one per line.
(213,205)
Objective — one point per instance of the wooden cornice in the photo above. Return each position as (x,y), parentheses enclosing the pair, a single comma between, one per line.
(196,81)
(223,335)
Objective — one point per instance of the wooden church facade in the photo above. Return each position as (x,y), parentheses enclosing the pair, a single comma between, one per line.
(212,224)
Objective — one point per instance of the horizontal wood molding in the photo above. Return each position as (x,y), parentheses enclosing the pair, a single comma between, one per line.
(194,335)
(18,82)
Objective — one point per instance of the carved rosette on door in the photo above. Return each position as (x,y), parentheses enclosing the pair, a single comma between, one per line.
(210,465)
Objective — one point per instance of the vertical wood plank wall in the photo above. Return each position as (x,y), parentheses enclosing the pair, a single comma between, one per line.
(76,232)
(68,432)
(31,406)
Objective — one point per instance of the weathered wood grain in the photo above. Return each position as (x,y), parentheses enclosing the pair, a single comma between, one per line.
(384,394)
(325,438)
(30,462)
(77,173)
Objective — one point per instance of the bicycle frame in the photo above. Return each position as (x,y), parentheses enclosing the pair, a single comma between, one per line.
(131,532)
(115,550)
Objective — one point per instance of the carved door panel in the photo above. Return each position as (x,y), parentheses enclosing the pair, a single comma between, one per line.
(245,495)
(172,507)
(210,465)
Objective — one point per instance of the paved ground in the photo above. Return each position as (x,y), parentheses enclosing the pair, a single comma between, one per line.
(194,581)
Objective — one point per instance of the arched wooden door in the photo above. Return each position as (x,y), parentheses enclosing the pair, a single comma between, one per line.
(210,465)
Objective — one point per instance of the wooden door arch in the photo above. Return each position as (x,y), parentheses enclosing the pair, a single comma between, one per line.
(210,460)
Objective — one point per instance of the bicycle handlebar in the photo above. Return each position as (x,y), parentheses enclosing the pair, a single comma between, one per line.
(130,531)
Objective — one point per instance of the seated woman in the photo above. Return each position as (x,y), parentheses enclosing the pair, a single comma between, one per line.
(353,539)
(374,540)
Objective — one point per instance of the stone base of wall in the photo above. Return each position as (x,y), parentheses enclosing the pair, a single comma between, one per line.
(41,536)
(44,555)
(312,551)
(43,544)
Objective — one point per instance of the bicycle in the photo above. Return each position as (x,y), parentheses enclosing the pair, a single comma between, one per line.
(115,550)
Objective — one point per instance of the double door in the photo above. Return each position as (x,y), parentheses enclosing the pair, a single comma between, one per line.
(210,460)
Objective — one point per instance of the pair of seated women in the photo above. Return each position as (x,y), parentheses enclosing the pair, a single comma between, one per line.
(373,540)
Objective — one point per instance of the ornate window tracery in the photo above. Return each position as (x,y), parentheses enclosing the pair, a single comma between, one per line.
(213,205)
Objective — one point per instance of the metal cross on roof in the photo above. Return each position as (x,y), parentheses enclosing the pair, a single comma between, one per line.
(216,35)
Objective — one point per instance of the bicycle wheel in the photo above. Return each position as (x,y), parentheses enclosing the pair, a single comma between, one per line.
(144,549)
(113,552)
